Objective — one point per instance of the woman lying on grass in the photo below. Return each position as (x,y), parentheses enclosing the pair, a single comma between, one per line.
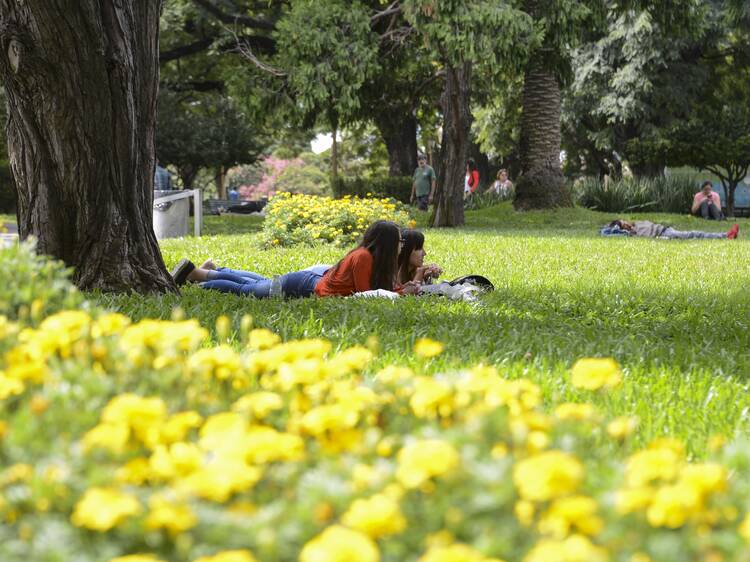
(652,230)
(411,260)
(372,265)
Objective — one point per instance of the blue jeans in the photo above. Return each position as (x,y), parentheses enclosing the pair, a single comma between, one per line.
(296,284)
(670,232)
(709,210)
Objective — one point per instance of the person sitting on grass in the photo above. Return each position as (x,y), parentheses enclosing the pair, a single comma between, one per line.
(371,265)
(707,203)
(652,230)
(411,260)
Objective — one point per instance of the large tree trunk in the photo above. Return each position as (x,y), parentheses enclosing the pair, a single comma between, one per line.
(542,184)
(449,205)
(81,81)
(399,132)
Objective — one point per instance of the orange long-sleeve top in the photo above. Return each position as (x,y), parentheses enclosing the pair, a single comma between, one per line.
(352,276)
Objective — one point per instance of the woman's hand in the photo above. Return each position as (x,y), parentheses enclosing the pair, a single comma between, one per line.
(411,288)
(431,271)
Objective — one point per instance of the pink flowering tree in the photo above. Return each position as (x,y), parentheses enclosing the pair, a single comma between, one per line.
(272,169)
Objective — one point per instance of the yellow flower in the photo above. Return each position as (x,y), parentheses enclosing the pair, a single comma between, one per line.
(644,467)
(575,412)
(377,516)
(575,548)
(621,427)
(101,509)
(259,404)
(595,373)
(260,338)
(567,514)
(137,558)
(109,324)
(524,512)
(172,516)
(113,437)
(673,506)
(333,417)
(339,544)
(177,426)
(177,460)
(454,553)
(431,398)
(421,460)
(427,348)
(633,499)
(547,476)
(221,362)
(144,416)
(706,478)
(10,386)
(744,528)
(229,556)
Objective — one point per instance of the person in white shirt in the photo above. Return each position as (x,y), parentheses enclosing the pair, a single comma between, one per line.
(503,186)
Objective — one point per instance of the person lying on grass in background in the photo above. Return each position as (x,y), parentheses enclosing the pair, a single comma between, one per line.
(371,265)
(411,265)
(652,230)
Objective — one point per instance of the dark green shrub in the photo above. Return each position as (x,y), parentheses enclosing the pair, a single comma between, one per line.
(398,187)
(663,195)
(7,191)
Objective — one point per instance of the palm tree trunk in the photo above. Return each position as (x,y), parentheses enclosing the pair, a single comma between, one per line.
(541,185)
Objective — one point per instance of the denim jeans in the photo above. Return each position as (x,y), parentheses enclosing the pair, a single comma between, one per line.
(296,284)
(670,232)
(709,210)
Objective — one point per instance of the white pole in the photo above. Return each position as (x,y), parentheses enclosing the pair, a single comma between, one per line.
(197,211)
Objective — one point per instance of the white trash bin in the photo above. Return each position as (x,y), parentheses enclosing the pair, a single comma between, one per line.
(171,218)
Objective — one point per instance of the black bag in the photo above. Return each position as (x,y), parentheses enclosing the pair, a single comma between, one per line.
(477,280)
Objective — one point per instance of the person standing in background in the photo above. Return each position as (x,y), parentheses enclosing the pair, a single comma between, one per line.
(162,179)
(423,186)
(472,178)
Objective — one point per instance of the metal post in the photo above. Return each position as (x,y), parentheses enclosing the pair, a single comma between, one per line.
(197,211)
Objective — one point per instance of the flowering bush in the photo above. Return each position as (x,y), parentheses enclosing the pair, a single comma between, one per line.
(137,442)
(302,219)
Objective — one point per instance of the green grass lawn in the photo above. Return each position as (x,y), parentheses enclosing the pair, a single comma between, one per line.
(675,314)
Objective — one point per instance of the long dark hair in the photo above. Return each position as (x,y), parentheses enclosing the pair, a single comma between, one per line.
(381,239)
(411,240)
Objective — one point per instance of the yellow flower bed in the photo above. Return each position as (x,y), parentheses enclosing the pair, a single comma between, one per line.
(308,219)
(134,442)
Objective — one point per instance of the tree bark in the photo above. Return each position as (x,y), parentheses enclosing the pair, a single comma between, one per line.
(334,155)
(399,132)
(81,80)
(541,184)
(449,204)
(221,187)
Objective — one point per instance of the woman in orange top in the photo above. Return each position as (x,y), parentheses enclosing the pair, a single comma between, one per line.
(372,265)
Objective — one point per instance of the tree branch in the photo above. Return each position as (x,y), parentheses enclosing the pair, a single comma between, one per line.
(223,17)
(195,86)
(391,10)
(187,50)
